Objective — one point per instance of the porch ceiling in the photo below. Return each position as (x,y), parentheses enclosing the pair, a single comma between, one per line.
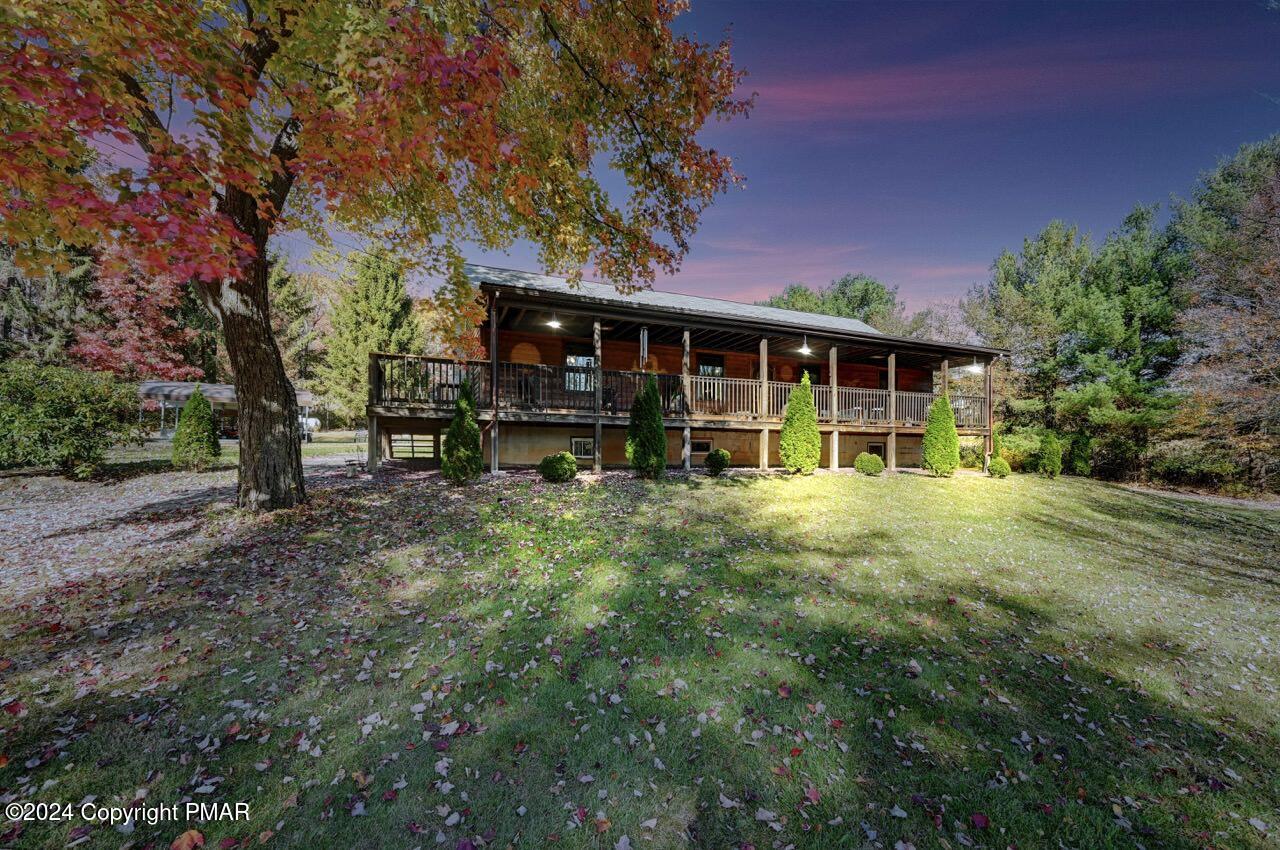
(576,325)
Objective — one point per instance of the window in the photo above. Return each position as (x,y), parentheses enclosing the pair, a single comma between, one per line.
(583,448)
(711,365)
(579,376)
(876,449)
(699,447)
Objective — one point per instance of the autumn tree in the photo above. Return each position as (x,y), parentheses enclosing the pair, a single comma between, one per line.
(188,134)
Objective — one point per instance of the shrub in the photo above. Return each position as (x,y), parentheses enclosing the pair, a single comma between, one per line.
(868,464)
(1049,461)
(800,444)
(940,452)
(558,467)
(195,443)
(998,468)
(1114,457)
(463,457)
(997,443)
(1076,460)
(55,417)
(646,435)
(1021,448)
(717,461)
(971,455)
(1193,463)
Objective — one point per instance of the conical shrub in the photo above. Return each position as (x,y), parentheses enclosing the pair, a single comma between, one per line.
(646,436)
(800,444)
(462,460)
(941,449)
(195,443)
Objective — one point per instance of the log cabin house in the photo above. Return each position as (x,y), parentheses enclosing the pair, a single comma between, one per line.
(564,362)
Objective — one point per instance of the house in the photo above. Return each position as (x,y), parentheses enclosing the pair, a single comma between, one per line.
(563,364)
(168,396)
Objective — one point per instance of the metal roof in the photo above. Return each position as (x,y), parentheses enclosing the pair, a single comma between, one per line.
(709,308)
(218,394)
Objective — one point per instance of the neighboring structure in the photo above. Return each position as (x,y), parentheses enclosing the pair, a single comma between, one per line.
(172,395)
(568,360)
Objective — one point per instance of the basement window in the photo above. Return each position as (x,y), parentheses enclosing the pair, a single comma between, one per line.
(582,448)
(699,447)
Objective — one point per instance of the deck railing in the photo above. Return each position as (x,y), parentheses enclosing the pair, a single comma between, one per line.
(736,397)
(402,380)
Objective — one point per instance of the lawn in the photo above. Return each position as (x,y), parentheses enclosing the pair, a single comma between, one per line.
(835,661)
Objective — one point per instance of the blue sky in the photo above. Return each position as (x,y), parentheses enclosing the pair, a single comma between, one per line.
(915,141)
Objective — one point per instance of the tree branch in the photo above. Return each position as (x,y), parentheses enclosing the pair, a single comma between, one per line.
(150,120)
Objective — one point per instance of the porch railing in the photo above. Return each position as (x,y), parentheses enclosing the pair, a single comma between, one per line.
(402,380)
(725,396)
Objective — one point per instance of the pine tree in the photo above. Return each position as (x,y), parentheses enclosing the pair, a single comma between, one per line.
(462,460)
(195,443)
(800,444)
(646,436)
(941,450)
(41,315)
(294,319)
(374,313)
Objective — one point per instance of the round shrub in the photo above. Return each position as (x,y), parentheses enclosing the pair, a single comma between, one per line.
(52,416)
(868,464)
(717,461)
(195,443)
(558,467)
(998,468)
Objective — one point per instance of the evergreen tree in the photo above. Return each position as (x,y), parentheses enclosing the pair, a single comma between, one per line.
(294,320)
(41,315)
(462,460)
(195,443)
(646,435)
(800,444)
(941,449)
(1050,461)
(374,313)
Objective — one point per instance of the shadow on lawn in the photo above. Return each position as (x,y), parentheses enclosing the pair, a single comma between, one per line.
(1000,720)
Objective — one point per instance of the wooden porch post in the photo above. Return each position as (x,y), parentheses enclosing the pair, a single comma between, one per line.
(946,375)
(375,444)
(764,402)
(644,348)
(686,442)
(987,441)
(597,351)
(835,409)
(493,382)
(891,445)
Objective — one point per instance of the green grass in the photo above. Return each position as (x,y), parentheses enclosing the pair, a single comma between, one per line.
(1019,662)
(155,455)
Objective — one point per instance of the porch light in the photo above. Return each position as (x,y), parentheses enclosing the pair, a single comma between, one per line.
(553,322)
(804,349)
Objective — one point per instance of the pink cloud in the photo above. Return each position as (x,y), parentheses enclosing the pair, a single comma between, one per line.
(992,82)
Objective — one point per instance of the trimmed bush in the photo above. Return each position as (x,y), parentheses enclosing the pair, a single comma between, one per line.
(1076,460)
(462,460)
(1049,461)
(646,436)
(998,468)
(940,452)
(559,467)
(800,444)
(997,443)
(717,461)
(1021,448)
(195,443)
(868,464)
(61,418)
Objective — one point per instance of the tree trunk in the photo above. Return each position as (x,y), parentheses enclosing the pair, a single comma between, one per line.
(270,444)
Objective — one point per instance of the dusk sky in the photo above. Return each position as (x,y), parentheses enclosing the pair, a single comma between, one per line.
(915,141)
